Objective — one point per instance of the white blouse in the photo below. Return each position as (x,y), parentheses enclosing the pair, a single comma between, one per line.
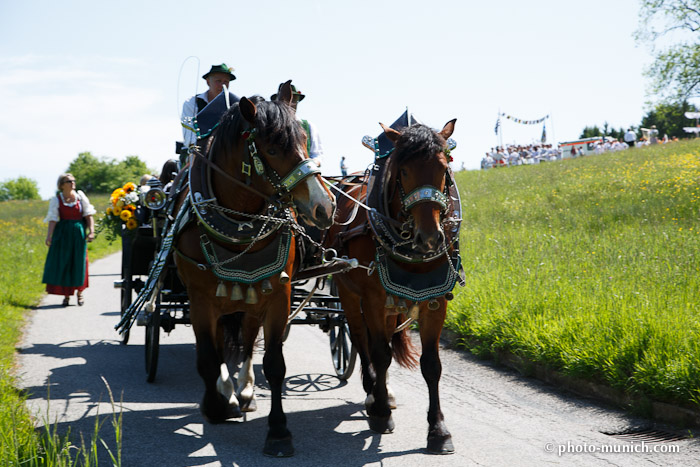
(85,206)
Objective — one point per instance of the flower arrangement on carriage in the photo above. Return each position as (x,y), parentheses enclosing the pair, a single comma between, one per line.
(121,213)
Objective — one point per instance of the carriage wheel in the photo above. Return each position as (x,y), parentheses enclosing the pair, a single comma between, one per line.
(125,303)
(343,352)
(126,295)
(152,342)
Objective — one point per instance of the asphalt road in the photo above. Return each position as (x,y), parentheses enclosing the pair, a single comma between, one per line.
(496,416)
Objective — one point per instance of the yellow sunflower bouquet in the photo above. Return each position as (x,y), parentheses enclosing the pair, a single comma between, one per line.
(124,202)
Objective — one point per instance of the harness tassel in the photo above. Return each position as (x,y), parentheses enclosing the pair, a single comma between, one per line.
(221,289)
(389,302)
(414,311)
(401,307)
(266,287)
(284,277)
(251,297)
(433,304)
(236,292)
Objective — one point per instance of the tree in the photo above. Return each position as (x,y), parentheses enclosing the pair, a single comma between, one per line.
(675,73)
(591,131)
(669,118)
(104,175)
(19,188)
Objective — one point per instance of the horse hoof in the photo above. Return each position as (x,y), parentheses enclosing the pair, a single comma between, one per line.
(233,411)
(279,447)
(381,424)
(218,410)
(440,445)
(249,406)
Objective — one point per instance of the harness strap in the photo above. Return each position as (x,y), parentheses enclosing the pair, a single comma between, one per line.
(227,176)
(199,265)
(424,194)
(306,168)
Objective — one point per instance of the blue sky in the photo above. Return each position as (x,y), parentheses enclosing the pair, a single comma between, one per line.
(110,78)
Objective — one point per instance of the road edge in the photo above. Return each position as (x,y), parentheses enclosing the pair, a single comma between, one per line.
(682,417)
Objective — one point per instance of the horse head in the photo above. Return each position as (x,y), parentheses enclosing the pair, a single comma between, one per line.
(276,144)
(418,175)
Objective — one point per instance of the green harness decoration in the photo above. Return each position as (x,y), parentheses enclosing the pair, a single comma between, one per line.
(394,249)
(247,267)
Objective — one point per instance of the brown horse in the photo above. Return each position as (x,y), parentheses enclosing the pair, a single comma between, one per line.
(245,195)
(408,241)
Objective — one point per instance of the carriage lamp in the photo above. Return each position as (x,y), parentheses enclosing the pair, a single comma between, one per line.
(155,199)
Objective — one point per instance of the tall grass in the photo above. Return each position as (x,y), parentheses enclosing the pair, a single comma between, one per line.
(22,235)
(589,266)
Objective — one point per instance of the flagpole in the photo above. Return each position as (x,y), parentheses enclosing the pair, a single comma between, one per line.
(551,124)
(500,129)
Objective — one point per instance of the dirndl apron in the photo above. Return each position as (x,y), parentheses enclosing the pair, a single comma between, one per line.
(66,267)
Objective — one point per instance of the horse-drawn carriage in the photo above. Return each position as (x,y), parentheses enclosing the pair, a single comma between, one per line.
(314,295)
(238,232)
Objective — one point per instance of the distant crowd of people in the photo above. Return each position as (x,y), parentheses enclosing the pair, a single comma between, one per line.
(536,153)
(520,155)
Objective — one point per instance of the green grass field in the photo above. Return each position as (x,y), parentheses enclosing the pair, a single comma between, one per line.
(22,235)
(589,266)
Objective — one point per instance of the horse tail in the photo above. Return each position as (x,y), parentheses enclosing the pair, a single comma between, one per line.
(403,350)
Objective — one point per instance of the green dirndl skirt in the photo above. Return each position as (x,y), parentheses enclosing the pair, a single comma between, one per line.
(66,262)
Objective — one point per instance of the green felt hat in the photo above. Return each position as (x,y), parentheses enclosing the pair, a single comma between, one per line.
(223,68)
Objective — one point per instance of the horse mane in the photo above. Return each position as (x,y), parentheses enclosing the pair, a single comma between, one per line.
(275,122)
(418,140)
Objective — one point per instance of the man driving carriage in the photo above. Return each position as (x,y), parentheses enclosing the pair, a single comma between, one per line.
(217,77)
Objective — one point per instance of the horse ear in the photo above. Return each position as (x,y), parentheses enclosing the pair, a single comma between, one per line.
(448,129)
(248,110)
(285,94)
(390,133)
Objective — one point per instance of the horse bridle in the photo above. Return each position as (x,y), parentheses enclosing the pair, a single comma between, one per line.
(259,225)
(282,185)
(419,195)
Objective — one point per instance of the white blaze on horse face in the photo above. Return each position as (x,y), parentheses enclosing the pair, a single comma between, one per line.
(320,209)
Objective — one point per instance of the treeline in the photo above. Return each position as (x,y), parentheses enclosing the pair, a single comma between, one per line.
(669,119)
(92,175)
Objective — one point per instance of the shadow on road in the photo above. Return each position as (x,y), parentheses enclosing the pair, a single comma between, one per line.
(323,436)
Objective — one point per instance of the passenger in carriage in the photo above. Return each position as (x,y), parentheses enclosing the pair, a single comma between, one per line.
(217,77)
(168,173)
(313,145)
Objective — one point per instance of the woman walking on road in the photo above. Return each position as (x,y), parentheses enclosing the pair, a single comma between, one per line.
(71,226)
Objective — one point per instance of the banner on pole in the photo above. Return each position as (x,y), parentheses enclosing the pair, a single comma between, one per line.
(524,122)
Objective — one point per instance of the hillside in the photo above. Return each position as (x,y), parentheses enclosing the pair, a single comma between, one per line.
(589,266)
